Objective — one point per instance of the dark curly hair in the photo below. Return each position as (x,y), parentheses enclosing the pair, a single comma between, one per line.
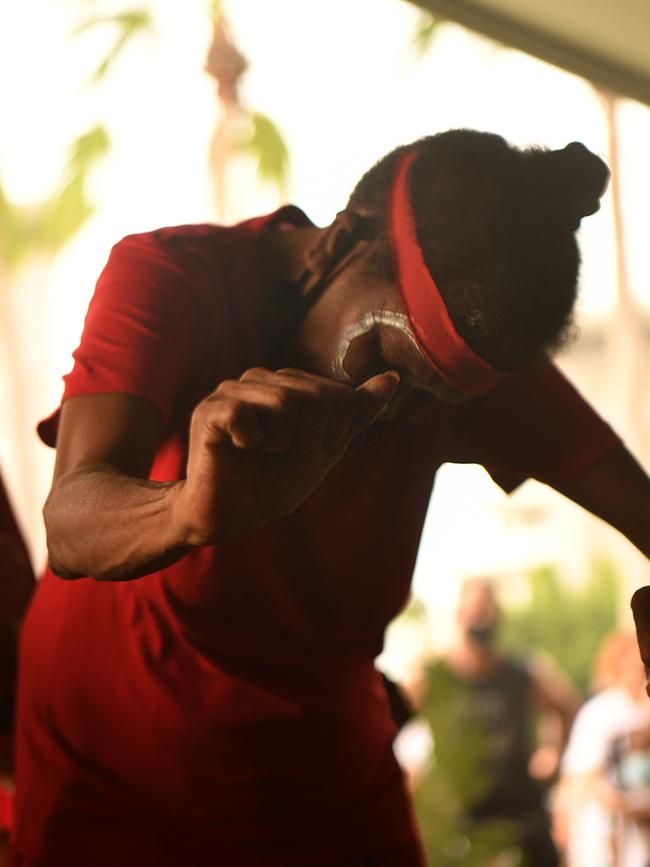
(496,225)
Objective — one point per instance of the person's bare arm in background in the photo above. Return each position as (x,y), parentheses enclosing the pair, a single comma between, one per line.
(556,702)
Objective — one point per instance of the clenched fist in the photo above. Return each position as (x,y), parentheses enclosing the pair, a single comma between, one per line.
(259,446)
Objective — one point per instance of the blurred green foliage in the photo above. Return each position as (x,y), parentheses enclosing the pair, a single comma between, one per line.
(45,227)
(126,25)
(567,622)
(266,145)
(425,32)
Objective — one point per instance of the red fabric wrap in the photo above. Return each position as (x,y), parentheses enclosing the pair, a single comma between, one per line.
(443,346)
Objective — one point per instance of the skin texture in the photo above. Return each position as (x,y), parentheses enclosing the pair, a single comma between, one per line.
(274,432)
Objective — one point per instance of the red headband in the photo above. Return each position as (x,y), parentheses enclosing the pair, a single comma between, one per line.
(441,343)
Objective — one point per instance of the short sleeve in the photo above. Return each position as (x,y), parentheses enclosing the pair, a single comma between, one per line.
(137,335)
(535,425)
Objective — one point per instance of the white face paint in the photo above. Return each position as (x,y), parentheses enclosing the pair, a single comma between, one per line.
(363,326)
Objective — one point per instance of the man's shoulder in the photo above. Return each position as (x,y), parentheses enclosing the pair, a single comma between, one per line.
(287,216)
(170,240)
(198,256)
(190,244)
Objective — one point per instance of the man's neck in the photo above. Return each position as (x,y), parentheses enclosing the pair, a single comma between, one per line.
(284,254)
(286,277)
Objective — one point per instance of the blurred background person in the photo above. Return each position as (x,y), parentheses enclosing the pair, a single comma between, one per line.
(602,811)
(499,726)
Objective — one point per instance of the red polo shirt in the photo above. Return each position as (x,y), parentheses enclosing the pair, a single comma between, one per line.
(226,709)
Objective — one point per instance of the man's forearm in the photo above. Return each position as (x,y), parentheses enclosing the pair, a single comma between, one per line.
(111,526)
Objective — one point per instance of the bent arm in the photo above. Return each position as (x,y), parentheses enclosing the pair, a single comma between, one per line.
(617,489)
(257,447)
(103,517)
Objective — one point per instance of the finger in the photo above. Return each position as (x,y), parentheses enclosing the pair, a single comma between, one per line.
(641,611)
(328,409)
(235,420)
(373,397)
(315,413)
(341,417)
(256,374)
(315,398)
(276,407)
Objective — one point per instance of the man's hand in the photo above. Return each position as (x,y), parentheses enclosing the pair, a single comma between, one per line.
(259,446)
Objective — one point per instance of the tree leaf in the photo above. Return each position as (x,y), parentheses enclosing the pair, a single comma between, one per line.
(269,149)
(128,24)
(48,225)
(425,32)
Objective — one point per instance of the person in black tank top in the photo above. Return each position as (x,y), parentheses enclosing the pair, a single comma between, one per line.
(481,707)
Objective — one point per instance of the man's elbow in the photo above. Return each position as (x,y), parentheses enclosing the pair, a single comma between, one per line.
(62,571)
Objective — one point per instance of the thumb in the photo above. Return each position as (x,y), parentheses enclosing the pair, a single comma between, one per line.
(375,394)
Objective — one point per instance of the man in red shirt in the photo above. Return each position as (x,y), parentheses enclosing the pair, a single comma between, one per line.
(223,708)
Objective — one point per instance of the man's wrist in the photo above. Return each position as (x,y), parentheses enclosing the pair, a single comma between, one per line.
(185,531)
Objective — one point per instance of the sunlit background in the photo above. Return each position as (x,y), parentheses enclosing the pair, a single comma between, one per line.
(342,83)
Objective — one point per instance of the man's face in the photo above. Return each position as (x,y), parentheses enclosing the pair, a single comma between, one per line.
(478,607)
(365,331)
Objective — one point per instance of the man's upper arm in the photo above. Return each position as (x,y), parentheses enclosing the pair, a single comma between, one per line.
(617,489)
(114,429)
(536,425)
(139,340)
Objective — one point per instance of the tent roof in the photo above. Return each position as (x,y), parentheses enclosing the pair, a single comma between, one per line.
(607,41)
